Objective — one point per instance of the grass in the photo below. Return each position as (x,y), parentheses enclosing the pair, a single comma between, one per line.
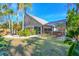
(40,47)
(50,47)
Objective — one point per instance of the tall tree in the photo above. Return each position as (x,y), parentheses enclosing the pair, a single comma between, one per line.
(77,7)
(23,7)
(1,13)
(72,23)
(8,12)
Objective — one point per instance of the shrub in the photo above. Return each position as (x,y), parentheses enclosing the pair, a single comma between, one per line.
(74,49)
(70,34)
(69,41)
(20,33)
(27,32)
(1,38)
(33,32)
(3,43)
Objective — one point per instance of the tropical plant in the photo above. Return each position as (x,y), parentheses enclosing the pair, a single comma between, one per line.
(21,33)
(27,32)
(77,7)
(16,27)
(6,12)
(9,12)
(3,42)
(73,30)
(69,41)
(4,46)
(1,13)
(23,7)
(72,24)
(74,49)
(4,26)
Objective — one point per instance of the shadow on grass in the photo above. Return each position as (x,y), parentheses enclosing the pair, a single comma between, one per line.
(40,47)
(49,48)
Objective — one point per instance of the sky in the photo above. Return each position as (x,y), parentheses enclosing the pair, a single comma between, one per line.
(47,11)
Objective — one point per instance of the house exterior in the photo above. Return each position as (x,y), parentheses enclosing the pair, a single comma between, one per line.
(43,27)
(59,27)
(37,23)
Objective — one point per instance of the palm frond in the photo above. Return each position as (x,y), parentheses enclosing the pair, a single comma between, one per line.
(24,5)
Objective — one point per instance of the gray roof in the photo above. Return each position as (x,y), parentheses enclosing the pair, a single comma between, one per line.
(42,21)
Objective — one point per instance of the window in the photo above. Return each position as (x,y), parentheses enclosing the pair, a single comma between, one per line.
(38,29)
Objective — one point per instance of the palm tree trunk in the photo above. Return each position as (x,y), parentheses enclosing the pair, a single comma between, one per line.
(9,22)
(12,27)
(17,19)
(24,14)
(23,20)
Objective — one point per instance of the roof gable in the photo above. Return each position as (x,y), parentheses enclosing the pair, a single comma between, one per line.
(42,21)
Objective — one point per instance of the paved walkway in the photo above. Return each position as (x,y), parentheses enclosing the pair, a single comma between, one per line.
(10,37)
(20,37)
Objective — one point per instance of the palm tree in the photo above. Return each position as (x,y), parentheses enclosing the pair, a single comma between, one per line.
(23,7)
(77,7)
(72,24)
(70,4)
(8,12)
(1,13)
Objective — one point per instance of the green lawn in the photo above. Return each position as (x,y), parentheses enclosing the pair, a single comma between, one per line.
(41,47)
(49,47)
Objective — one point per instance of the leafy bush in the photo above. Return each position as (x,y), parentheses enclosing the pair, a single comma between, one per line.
(33,32)
(1,38)
(3,44)
(20,33)
(27,32)
(68,41)
(74,49)
(70,34)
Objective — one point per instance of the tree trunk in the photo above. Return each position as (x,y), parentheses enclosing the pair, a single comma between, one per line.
(23,20)
(12,27)
(9,24)
(17,19)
